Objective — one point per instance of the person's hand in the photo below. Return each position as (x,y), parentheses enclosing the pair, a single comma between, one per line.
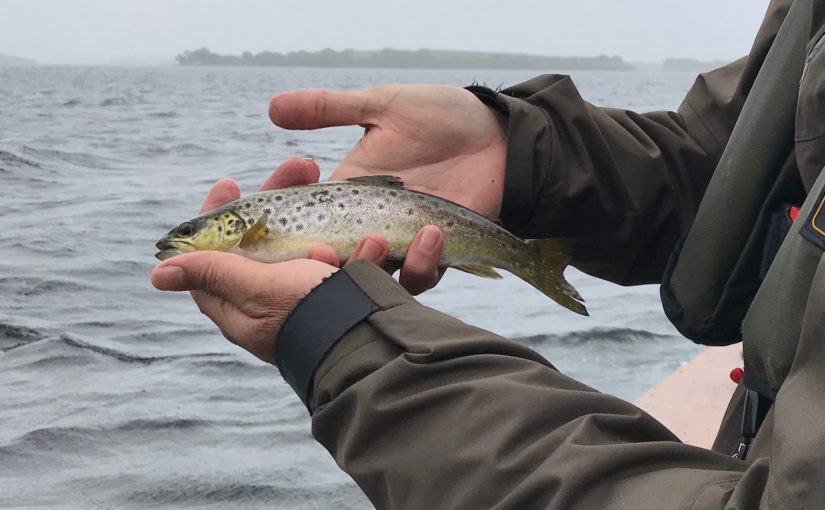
(249,301)
(440,140)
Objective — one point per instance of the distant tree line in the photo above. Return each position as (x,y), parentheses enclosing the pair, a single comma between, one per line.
(389,58)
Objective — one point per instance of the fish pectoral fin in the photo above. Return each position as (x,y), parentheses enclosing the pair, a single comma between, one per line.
(379,180)
(479,270)
(255,233)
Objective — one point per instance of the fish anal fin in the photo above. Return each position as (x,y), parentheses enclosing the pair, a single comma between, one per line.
(255,233)
(378,180)
(481,270)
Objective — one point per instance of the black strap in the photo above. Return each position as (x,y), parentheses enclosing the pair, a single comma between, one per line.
(316,324)
(759,398)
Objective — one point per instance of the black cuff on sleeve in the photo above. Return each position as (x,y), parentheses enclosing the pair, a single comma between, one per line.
(489,97)
(315,325)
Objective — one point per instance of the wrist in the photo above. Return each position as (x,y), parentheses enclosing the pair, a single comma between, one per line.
(317,322)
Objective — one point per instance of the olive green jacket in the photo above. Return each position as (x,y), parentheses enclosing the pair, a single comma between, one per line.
(426,412)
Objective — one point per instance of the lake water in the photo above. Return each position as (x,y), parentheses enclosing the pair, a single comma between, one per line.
(114,395)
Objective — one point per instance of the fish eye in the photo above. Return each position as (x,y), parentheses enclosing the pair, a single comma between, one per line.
(186,229)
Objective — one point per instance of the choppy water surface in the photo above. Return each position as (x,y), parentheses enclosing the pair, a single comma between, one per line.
(114,395)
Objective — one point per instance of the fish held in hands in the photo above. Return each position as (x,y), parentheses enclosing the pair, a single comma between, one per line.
(283,224)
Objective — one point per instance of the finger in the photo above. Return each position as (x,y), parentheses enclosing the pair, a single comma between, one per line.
(420,271)
(373,247)
(324,253)
(221,193)
(293,172)
(224,275)
(313,109)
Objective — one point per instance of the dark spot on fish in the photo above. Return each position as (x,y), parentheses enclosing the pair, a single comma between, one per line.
(380,206)
(355,192)
(340,205)
(267,231)
(450,223)
(282,221)
(322,195)
(387,226)
(251,221)
(247,205)
(298,208)
(299,227)
(359,221)
(321,217)
(393,194)
(278,198)
(359,202)
(309,204)
(220,229)
(409,212)
(260,200)
(267,210)
(338,188)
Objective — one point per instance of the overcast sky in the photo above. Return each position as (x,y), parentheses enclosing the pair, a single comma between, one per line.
(96,31)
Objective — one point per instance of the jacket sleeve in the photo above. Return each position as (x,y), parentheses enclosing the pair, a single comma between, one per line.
(426,412)
(626,185)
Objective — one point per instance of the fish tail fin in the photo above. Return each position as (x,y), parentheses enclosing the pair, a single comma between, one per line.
(549,258)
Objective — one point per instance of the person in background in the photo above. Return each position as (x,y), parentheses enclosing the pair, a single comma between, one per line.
(424,411)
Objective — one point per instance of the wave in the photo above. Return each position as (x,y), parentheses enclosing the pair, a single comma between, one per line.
(10,157)
(291,491)
(164,115)
(35,337)
(82,159)
(596,335)
(12,336)
(113,101)
(62,349)
(69,438)
(183,149)
(28,286)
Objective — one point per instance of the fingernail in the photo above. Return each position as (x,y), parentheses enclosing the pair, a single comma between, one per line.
(308,161)
(430,237)
(371,250)
(171,277)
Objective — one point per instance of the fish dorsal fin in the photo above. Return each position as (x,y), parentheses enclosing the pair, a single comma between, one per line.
(379,180)
(481,270)
(255,233)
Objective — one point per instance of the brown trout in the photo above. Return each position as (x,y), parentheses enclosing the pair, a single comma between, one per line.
(283,224)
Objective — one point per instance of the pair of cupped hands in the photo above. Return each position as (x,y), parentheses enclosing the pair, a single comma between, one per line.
(440,140)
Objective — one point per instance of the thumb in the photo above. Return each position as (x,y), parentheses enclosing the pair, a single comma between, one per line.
(221,274)
(313,109)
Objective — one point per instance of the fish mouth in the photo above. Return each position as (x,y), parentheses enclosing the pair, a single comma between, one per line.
(169,248)
(167,254)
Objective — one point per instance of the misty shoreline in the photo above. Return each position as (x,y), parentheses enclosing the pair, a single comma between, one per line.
(391,59)
(401,59)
